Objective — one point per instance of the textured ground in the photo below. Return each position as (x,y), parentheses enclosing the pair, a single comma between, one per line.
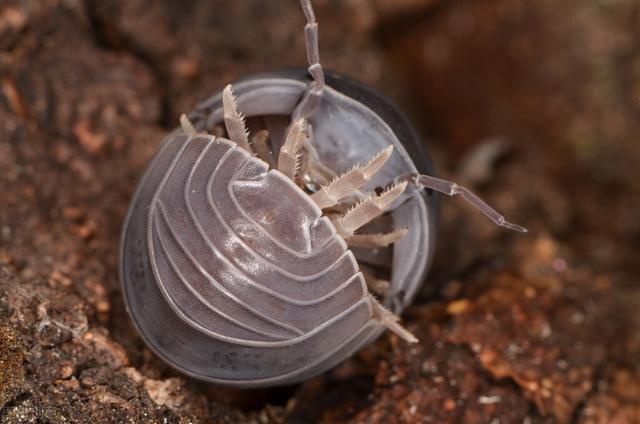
(535,104)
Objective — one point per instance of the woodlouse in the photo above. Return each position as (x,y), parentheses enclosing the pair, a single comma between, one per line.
(247,268)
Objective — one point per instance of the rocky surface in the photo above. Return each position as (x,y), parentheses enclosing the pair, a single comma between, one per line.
(534,104)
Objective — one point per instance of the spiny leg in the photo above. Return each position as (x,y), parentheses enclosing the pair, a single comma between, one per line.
(233,120)
(391,321)
(347,183)
(376,240)
(375,284)
(186,125)
(289,156)
(451,189)
(315,173)
(260,143)
(313,169)
(312,97)
(368,209)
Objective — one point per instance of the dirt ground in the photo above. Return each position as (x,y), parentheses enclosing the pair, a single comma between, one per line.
(534,104)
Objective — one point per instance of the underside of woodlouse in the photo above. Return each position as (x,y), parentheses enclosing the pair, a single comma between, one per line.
(265,250)
(328,213)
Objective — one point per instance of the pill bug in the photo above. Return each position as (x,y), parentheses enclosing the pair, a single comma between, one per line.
(284,226)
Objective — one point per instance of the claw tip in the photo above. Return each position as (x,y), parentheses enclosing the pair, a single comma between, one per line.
(515,227)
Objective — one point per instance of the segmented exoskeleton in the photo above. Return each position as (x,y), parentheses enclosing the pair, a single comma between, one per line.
(238,260)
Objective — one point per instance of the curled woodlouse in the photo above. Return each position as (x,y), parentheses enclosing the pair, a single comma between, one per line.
(265,247)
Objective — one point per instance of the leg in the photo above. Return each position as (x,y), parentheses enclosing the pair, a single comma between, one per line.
(376,240)
(365,211)
(374,284)
(390,320)
(352,180)
(186,125)
(218,131)
(289,158)
(312,97)
(313,168)
(234,121)
(451,189)
(260,143)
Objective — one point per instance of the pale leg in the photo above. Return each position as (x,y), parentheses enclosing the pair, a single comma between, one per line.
(368,209)
(376,240)
(289,158)
(260,143)
(313,168)
(347,183)
(374,284)
(186,125)
(391,321)
(234,121)
(451,189)
(312,97)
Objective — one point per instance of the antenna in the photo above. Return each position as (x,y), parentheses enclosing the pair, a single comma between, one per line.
(312,97)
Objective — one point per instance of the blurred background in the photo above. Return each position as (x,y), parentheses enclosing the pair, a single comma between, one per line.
(535,104)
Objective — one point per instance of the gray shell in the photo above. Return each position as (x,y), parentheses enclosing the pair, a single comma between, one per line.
(229,270)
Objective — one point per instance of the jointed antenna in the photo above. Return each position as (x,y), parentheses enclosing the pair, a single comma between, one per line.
(312,97)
